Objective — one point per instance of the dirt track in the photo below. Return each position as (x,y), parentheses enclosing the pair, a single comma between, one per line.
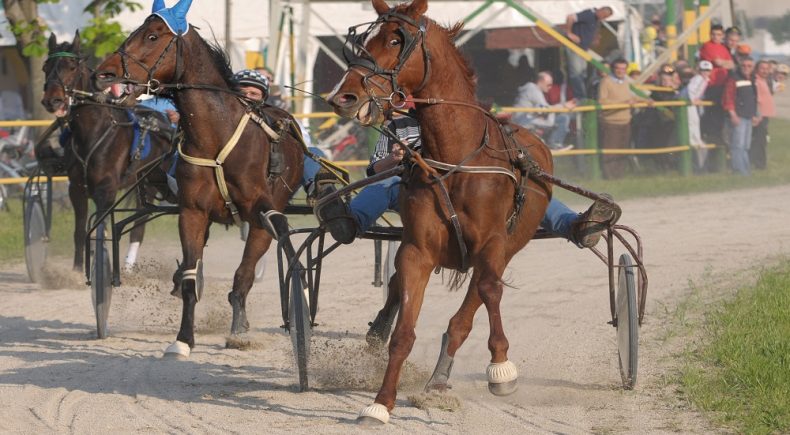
(55,377)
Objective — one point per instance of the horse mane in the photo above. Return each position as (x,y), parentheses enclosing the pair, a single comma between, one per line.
(220,60)
(64,46)
(451,32)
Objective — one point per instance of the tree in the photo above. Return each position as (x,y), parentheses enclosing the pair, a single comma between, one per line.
(100,37)
(780,29)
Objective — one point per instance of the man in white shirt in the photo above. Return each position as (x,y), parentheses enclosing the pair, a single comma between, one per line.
(695,92)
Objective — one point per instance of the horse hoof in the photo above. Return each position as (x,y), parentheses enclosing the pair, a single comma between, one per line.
(373,415)
(438,387)
(502,378)
(238,341)
(177,350)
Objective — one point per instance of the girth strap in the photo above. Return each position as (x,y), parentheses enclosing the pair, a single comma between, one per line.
(217,165)
(470,169)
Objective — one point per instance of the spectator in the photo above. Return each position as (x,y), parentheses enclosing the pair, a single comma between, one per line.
(616,124)
(633,71)
(582,29)
(694,92)
(275,97)
(713,119)
(780,77)
(656,127)
(740,101)
(652,37)
(766,109)
(560,92)
(531,95)
(732,37)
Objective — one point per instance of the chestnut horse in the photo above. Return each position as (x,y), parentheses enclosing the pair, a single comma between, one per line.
(99,153)
(451,218)
(230,184)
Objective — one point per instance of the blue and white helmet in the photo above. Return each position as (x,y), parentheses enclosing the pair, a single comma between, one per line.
(249,77)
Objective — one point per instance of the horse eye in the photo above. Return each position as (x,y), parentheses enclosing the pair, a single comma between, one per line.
(152,37)
(395,42)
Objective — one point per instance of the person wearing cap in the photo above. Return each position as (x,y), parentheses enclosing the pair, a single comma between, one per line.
(255,86)
(740,102)
(695,93)
(766,109)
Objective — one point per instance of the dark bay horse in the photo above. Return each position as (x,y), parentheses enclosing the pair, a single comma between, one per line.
(100,156)
(451,219)
(237,178)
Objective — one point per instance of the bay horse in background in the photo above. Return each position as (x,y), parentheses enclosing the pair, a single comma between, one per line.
(405,53)
(226,173)
(99,154)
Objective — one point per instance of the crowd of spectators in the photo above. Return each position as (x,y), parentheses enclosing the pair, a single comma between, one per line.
(725,73)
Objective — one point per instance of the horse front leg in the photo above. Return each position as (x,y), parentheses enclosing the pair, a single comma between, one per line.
(502,374)
(457,331)
(414,269)
(78,194)
(192,225)
(258,243)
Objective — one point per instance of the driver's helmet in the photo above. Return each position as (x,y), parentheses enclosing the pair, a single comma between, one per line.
(250,77)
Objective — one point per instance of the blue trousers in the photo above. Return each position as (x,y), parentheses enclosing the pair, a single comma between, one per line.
(311,167)
(379,197)
(740,142)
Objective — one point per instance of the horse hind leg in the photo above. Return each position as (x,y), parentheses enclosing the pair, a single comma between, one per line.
(257,244)
(192,225)
(457,331)
(135,237)
(381,326)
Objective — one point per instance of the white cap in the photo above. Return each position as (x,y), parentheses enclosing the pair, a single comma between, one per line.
(705,65)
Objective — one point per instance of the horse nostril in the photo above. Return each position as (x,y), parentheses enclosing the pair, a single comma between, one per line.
(345,100)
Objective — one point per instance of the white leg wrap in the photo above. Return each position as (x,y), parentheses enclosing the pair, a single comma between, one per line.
(178,348)
(499,373)
(377,411)
(131,255)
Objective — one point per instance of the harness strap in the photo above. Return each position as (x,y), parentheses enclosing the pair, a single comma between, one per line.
(471,169)
(217,165)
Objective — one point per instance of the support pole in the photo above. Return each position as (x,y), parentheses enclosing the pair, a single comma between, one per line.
(689,16)
(590,123)
(704,28)
(686,162)
(670,20)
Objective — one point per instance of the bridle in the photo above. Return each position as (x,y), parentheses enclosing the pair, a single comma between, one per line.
(69,90)
(151,83)
(357,55)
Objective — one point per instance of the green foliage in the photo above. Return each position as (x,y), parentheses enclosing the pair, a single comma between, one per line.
(780,28)
(742,373)
(100,37)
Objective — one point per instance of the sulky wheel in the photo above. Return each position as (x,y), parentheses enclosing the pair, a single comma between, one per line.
(300,327)
(627,322)
(36,239)
(101,282)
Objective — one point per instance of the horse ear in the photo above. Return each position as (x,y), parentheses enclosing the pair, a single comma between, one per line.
(417,8)
(53,42)
(181,8)
(381,7)
(158,6)
(75,45)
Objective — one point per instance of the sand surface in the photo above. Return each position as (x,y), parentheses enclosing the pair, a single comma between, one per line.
(56,377)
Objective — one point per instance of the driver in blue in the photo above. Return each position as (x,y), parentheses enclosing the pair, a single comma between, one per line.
(345,222)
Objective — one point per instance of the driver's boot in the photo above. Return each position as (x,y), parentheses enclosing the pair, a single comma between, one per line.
(587,229)
(336,215)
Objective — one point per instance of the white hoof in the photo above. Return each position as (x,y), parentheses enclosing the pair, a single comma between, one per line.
(502,378)
(178,349)
(374,413)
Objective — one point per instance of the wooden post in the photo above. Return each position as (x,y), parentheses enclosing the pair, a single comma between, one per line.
(689,16)
(670,18)
(590,127)
(686,163)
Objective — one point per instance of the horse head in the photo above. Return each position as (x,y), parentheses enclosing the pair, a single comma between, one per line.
(387,61)
(151,55)
(64,72)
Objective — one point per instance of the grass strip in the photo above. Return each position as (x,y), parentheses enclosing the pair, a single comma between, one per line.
(741,372)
